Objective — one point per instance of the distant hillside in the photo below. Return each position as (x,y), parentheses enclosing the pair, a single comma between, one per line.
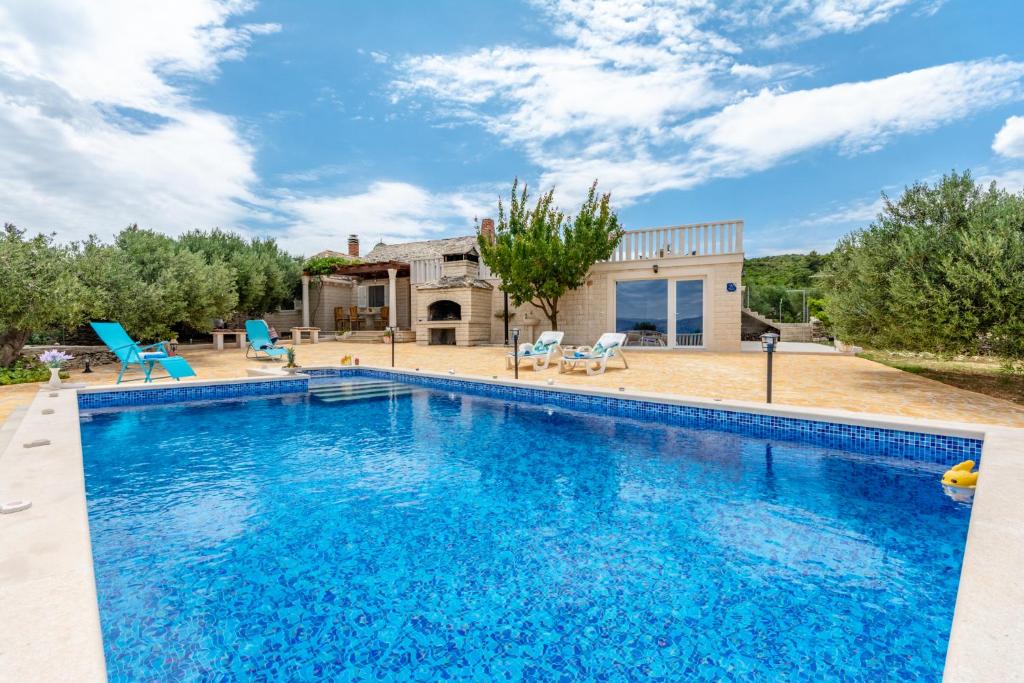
(789,271)
(769,282)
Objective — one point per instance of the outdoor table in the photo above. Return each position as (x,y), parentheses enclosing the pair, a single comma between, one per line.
(218,338)
(314,335)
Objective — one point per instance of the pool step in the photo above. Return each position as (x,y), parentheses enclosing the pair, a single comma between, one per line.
(336,393)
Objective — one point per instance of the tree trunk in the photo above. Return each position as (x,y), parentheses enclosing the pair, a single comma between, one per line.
(550,310)
(11,344)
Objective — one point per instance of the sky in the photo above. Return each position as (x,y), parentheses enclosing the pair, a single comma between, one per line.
(402,120)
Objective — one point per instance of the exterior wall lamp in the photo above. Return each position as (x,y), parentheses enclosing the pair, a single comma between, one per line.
(655,268)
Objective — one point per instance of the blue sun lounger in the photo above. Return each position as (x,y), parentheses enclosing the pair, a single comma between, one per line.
(147,357)
(259,339)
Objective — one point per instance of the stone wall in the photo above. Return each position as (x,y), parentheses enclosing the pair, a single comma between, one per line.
(588,312)
(98,355)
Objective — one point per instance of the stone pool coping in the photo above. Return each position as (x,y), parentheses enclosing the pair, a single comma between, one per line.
(48,595)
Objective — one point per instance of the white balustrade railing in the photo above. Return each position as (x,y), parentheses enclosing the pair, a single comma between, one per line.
(699,239)
(429,270)
(424,270)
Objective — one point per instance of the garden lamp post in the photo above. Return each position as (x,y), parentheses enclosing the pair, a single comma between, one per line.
(393,330)
(768,341)
(515,348)
(506,318)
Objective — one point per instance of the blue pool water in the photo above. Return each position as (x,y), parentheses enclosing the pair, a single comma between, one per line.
(423,535)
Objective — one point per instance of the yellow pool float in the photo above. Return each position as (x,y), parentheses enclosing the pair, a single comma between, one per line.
(961,476)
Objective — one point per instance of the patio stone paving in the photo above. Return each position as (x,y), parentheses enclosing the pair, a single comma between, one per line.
(828,381)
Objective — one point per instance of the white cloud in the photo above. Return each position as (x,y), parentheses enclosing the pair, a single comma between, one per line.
(386,210)
(764,129)
(654,95)
(1009,141)
(627,68)
(551,93)
(860,212)
(1011,180)
(96,121)
(813,18)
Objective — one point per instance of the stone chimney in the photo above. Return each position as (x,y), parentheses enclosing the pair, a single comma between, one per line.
(487,228)
(353,245)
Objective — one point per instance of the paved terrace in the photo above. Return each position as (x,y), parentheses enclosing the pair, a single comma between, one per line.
(831,381)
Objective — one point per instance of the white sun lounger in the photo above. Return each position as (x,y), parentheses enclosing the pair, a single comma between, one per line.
(595,358)
(538,355)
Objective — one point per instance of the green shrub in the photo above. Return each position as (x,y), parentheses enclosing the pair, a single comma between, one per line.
(26,370)
(941,269)
(325,265)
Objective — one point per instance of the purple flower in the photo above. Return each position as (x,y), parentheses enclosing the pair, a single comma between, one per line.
(54,358)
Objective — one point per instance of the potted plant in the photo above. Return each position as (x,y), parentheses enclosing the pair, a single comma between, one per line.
(54,359)
(388,336)
(290,367)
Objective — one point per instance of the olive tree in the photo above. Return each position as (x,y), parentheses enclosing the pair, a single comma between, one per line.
(940,269)
(39,289)
(263,274)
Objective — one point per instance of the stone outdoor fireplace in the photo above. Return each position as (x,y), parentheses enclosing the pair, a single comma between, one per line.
(444,309)
(455,308)
(442,336)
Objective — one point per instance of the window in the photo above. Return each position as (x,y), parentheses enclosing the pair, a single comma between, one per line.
(665,313)
(641,311)
(690,313)
(290,304)
(376,296)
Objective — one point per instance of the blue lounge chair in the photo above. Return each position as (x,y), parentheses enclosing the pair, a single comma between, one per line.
(259,340)
(147,357)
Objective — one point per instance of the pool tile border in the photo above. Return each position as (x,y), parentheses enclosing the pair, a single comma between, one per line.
(944,449)
(163,394)
(908,444)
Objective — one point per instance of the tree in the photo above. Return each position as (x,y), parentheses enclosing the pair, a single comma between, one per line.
(541,254)
(114,289)
(191,291)
(940,269)
(263,274)
(39,289)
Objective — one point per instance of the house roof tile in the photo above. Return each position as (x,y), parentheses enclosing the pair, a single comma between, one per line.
(411,251)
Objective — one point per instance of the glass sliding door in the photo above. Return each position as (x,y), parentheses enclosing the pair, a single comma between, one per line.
(641,311)
(689,313)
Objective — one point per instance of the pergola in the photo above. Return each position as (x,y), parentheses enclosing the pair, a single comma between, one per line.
(392,270)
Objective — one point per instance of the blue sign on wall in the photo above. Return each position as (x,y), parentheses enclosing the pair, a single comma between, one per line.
(730,287)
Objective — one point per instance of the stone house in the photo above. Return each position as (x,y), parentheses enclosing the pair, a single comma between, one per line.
(667,288)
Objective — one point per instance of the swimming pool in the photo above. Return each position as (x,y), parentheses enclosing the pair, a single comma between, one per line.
(415,533)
